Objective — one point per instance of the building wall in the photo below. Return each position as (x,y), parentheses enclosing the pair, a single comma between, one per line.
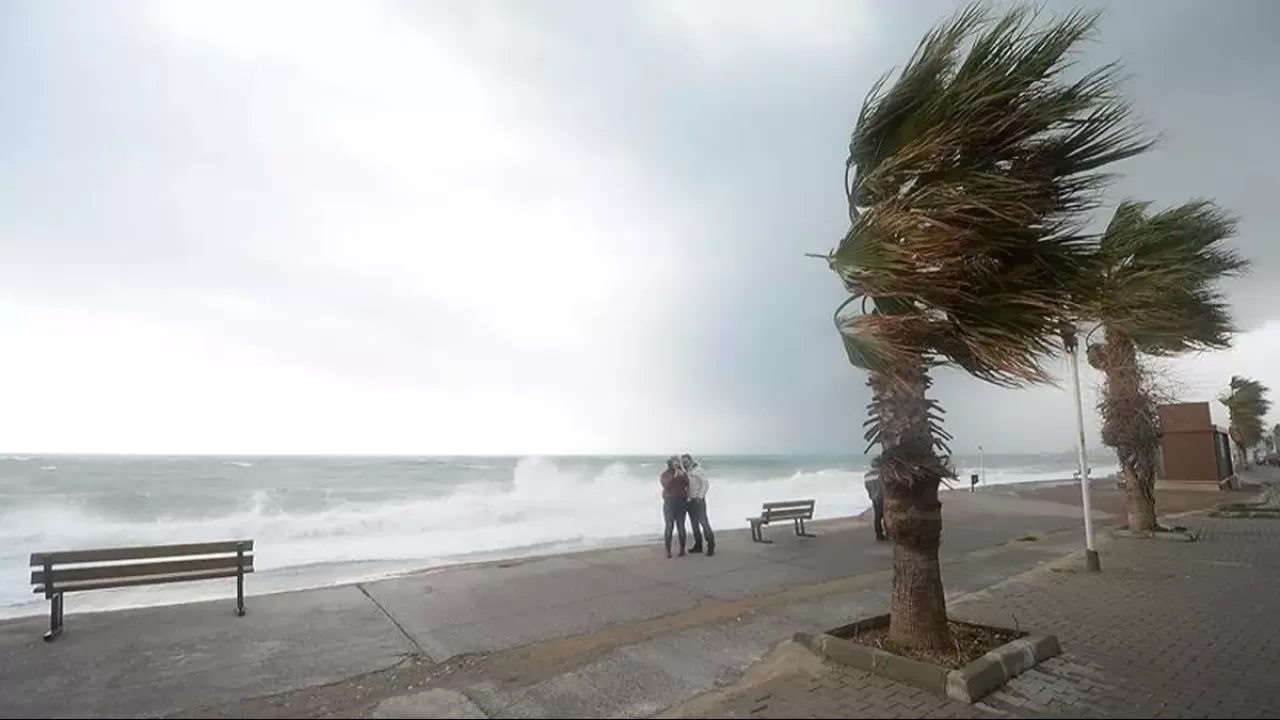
(1220,415)
(1188,444)
(1183,417)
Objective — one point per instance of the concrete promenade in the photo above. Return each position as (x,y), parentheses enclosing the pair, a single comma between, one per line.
(610,633)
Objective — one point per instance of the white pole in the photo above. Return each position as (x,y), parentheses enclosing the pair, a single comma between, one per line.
(982,465)
(1092,562)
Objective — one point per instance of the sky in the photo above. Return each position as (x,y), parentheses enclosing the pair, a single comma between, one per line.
(524,227)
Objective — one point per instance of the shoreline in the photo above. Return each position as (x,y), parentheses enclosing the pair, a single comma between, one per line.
(286,579)
(409,569)
(590,633)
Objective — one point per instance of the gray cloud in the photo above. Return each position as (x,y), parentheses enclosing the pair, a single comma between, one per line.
(759,140)
(735,129)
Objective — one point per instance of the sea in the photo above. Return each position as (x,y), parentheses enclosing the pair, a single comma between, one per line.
(320,521)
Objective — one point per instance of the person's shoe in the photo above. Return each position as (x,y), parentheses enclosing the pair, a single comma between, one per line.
(681,552)
(711,550)
(881,538)
(696,549)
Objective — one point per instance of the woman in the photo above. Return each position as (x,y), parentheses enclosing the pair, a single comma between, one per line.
(675,501)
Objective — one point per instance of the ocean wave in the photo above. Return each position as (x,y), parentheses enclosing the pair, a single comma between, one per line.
(542,503)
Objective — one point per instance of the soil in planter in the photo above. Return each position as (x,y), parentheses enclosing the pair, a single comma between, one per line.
(969,642)
(1162,529)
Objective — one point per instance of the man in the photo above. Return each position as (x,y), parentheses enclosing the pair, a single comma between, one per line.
(698,505)
(875,491)
(675,501)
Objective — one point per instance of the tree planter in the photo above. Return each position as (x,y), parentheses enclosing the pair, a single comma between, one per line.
(968,684)
(1171,534)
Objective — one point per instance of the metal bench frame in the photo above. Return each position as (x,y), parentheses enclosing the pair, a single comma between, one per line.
(795,510)
(131,566)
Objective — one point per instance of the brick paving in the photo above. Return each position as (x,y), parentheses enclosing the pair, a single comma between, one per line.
(1176,630)
(1107,498)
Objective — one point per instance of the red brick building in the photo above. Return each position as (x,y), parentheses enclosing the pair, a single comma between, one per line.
(1194,448)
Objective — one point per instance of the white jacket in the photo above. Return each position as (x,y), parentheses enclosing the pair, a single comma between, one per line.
(697,484)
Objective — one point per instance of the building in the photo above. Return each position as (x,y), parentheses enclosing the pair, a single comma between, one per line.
(1195,446)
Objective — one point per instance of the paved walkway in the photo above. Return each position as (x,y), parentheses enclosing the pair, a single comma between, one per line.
(612,633)
(1185,630)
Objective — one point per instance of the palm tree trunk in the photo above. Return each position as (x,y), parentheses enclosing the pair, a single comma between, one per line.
(912,472)
(1131,425)
(918,605)
(1139,489)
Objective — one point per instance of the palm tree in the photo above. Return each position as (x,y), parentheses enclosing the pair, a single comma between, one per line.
(1248,405)
(966,181)
(1155,293)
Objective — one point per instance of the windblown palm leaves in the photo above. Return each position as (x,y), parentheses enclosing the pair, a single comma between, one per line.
(1248,405)
(968,178)
(1156,283)
(1154,292)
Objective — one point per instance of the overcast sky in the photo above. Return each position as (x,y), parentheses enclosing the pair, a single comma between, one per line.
(544,226)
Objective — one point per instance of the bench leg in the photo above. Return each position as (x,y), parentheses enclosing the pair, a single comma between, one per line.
(800,531)
(240,580)
(55,617)
(757,533)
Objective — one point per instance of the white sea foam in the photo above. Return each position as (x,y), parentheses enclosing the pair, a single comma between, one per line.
(545,506)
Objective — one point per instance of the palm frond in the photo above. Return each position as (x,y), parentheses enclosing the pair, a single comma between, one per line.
(968,177)
(1157,277)
(1247,402)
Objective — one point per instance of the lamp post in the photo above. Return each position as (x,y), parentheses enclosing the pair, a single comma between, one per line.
(982,465)
(1092,562)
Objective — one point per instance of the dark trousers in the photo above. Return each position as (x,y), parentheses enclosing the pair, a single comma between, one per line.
(877,510)
(701,525)
(673,512)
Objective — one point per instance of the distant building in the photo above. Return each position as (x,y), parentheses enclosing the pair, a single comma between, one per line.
(1195,446)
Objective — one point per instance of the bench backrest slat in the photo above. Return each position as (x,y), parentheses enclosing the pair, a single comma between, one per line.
(785,504)
(788,510)
(141,552)
(145,580)
(144,569)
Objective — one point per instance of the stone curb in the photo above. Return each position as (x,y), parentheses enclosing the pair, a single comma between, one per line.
(1245,514)
(1170,536)
(967,684)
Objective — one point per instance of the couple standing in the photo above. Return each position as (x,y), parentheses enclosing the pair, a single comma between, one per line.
(684,491)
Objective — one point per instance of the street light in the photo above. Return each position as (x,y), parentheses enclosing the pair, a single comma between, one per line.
(1092,562)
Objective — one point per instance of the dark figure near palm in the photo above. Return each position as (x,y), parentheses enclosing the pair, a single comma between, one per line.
(875,491)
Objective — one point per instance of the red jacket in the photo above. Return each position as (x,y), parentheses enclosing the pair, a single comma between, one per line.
(674,485)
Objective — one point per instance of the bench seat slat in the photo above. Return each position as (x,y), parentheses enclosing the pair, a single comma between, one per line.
(142,552)
(63,575)
(143,580)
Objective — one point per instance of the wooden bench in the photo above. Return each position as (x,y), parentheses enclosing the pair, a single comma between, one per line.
(796,511)
(77,570)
